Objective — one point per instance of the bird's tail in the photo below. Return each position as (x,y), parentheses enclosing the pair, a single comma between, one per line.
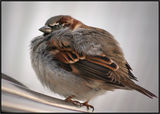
(141,90)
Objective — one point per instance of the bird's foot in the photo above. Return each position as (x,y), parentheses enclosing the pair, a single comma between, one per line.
(69,99)
(87,105)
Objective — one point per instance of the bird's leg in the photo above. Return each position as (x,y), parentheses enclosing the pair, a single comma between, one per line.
(87,105)
(69,99)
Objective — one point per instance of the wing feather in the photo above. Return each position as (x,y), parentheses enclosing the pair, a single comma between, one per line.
(85,62)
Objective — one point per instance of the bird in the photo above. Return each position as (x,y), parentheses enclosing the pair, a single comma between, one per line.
(80,62)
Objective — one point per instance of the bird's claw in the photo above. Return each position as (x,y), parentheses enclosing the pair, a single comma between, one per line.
(87,105)
(69,99)
(76,103)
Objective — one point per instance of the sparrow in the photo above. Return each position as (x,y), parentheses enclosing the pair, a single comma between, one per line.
(80,62)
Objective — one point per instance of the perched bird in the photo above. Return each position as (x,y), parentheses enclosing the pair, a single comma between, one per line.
(79,61)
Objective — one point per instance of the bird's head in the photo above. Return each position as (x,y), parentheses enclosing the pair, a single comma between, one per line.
(60,22)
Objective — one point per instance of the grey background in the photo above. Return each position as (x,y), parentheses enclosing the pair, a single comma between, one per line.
(133,24)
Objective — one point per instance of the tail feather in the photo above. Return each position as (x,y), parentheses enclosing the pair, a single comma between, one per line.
(142,90)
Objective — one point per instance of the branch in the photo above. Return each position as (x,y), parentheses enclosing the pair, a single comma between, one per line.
(25,99)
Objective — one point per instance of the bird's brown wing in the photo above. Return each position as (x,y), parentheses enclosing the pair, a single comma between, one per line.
(98,67)
(93,67)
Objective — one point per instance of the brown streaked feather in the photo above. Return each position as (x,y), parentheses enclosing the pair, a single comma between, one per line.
(99,61)
(62,57)
(72,57)
(94,67)
(130,73)
(102,63)
(87,68)
(67,57)
(93,71)
(128,66)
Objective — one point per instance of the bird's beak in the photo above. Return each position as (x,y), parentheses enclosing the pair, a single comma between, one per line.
(46,29)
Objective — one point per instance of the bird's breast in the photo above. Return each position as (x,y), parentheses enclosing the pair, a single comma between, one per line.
(58,79)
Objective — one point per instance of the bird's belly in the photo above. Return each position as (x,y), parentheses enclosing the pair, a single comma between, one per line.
(63,82)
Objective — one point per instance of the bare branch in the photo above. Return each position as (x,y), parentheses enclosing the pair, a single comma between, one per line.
(16,97)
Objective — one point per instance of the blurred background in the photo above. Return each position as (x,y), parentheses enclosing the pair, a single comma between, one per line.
(133,24)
